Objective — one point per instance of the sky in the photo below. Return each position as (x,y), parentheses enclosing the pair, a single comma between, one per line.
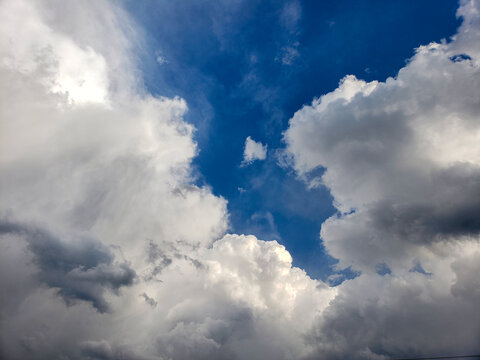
(247,67)
(239,179)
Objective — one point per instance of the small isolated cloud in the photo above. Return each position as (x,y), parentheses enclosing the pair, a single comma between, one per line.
(150,301)
(289,55)
(263,223)
(161,60)
(253,151)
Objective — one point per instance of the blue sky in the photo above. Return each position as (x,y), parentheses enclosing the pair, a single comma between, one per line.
(245,67)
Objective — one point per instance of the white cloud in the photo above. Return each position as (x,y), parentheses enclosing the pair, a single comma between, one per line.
(404,158)
(288,54)
(161,60)
(79,73)
(291,15)
(402,161)
(253,151)
(108,250)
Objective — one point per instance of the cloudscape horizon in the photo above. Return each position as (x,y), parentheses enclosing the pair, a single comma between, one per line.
(239,179)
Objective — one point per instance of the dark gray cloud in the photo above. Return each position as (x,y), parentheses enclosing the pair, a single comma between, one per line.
(158,260)
(401,320)
(150,301)
(103,350)
(452,209)
(160,256)
(81,270)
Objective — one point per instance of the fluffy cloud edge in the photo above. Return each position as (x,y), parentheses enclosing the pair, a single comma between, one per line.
(253,151)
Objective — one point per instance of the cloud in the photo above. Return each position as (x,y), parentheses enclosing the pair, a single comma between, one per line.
(401,315)
(401,160)
(288,54)
(135,262)
(103,350)
(247,293)
(290,17)
(150,301)
(161,60)
(401,157)
(254,150)
(109,174)
(81,269)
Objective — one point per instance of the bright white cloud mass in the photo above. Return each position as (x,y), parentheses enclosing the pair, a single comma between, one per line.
(254,150)
(109,251)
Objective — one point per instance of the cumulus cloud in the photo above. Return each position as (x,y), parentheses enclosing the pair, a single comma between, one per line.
(254,150)
(246,293)
(401,157)
(401,160)
(113,252)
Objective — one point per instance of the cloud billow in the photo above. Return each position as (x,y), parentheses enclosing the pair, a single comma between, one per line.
(106,168)
(253,151)
(401,157)
(81,269)
(402,163)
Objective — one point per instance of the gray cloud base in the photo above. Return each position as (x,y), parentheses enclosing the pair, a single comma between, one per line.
(81,269)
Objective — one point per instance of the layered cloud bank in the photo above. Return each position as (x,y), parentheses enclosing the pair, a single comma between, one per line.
(109,251)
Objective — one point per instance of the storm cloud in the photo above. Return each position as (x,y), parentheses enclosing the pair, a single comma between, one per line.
(81,269)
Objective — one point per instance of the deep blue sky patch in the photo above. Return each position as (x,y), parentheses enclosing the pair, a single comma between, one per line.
(245,67)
